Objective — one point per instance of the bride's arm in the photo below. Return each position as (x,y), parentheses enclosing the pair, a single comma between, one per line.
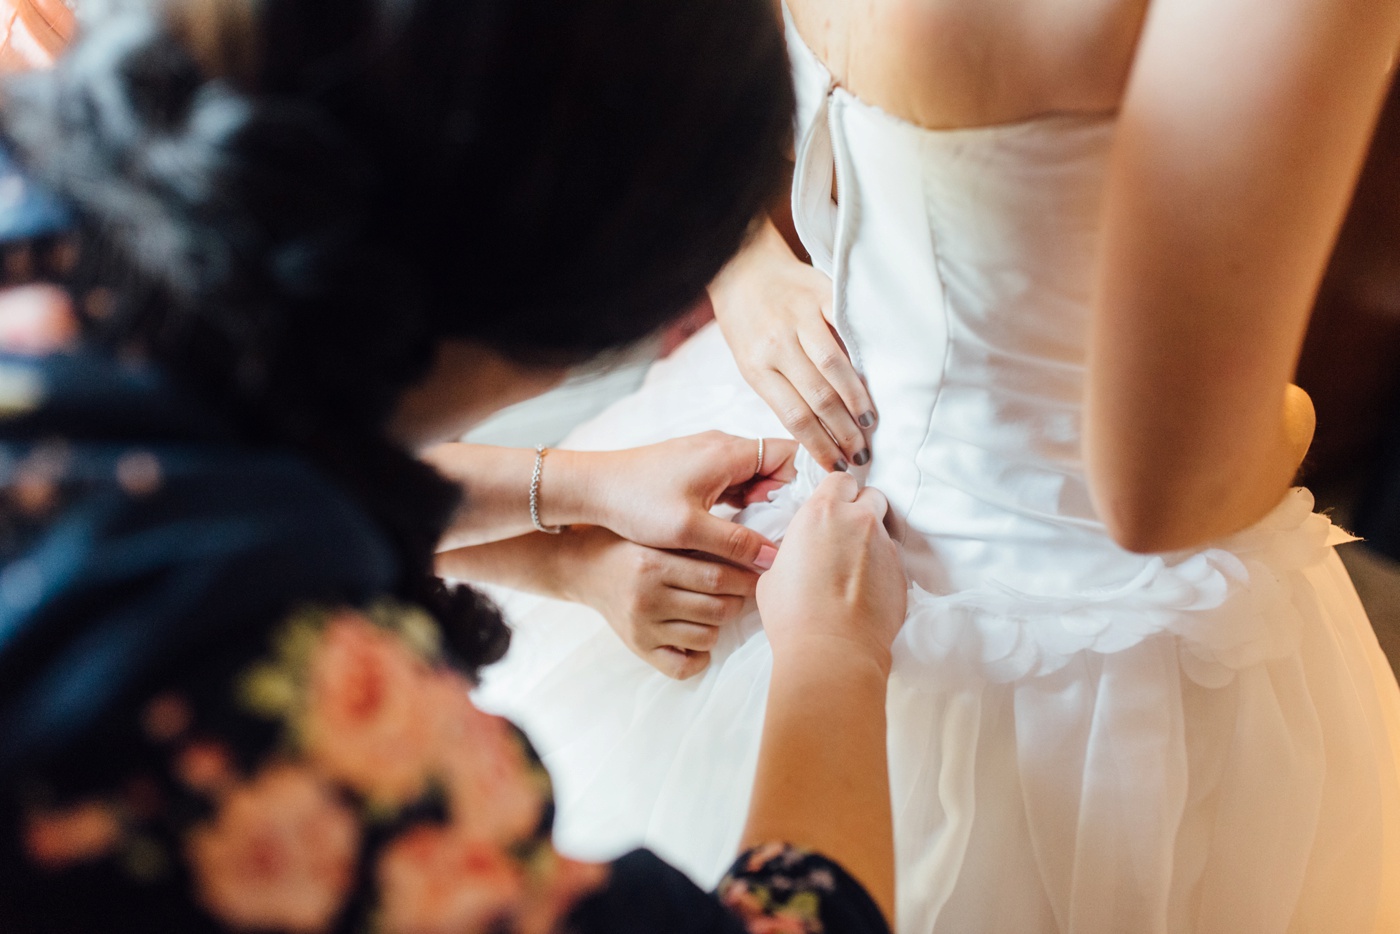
(1241,136)
(773,310)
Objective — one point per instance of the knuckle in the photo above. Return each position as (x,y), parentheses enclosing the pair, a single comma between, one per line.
(686,528)
(733,608)
(711,578)
(641,600)
(867,523)
(798,420)
(716,612)
(769,345)
(645,562)
(840,487)
(737,542)
(829,359)
(826,399)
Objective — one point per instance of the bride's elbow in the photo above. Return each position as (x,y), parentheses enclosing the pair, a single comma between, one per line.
(1147,533)
(1175,504)
(1162,517)
(1151,498)
(1149,518)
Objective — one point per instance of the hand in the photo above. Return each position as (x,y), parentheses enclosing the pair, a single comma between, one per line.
(838,581)
(772,309)
(661,495)
(667,608)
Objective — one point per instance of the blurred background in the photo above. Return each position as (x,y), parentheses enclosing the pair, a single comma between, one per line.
(1351,366)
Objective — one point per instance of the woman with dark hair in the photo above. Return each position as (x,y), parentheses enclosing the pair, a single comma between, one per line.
(303,238)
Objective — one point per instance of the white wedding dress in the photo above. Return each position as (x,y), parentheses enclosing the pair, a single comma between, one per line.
(1081,739)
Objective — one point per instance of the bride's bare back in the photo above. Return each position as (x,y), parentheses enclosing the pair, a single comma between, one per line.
(960,63)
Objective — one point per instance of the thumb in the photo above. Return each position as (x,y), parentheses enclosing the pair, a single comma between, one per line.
(758,492)
(839,487)
(729,541)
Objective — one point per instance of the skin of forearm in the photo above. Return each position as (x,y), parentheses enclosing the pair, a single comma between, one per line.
(1155,498)
(497,485)
(530,562)
(823,774)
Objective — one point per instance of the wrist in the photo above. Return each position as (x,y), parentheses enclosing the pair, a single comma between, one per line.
(766,242)
(583,568)
(833,657)
(566,493)
(556,581)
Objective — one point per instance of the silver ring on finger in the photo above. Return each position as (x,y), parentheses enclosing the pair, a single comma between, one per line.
(758,470)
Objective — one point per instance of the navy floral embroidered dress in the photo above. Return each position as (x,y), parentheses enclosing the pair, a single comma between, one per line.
(213,719)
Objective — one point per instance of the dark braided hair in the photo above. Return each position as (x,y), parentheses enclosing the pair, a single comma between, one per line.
(289,204)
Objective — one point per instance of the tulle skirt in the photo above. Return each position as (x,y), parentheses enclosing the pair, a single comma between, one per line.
(1213,746)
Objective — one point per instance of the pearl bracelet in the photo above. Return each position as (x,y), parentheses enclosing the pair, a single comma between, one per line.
(540,450)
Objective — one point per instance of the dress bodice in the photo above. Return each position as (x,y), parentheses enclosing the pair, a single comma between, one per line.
(962,263)
(962,266)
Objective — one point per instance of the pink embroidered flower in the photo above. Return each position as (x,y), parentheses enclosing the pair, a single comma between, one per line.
(368,724)
(58,839)
(764,854)
(279,854)
(742,900)
(754,907)
(566,882)
(435,881)
(493,793)
(206,767)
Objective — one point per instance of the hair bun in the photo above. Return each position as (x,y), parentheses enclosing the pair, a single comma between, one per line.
(196,184)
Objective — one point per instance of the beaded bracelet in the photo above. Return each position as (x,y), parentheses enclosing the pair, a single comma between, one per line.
(540,451)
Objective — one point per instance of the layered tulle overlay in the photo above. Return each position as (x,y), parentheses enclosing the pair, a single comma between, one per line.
(1081,739)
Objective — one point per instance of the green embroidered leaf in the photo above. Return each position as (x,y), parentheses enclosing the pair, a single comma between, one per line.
(536,856)
(805,905)
(269,691)
(297,640)
(418,630)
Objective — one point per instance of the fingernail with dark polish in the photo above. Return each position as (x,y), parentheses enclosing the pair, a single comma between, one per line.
(867,420)
(841,466)
(862,457)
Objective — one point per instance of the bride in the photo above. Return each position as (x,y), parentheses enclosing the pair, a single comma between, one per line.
(1062,256)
